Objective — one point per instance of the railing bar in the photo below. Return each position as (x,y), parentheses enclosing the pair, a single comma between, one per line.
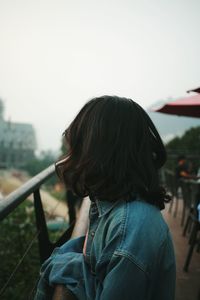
(10,202)
(36,281)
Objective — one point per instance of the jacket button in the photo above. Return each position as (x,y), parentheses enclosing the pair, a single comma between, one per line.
(92,233)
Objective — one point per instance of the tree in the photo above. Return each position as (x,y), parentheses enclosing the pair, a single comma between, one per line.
(37,164)
(189,142)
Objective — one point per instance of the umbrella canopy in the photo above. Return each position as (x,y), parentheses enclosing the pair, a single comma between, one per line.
(197,90)
(189,106)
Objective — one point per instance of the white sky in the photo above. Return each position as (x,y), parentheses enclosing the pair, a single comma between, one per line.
(55,55)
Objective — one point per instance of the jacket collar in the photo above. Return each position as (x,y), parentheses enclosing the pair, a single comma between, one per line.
(104,207)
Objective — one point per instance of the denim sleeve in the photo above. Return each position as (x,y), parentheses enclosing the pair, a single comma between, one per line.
(64,266)
(124,280)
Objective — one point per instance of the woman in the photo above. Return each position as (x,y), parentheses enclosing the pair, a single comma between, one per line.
(114,156)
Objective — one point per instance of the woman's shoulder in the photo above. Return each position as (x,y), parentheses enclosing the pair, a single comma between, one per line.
(144,232)
(143,217)
(140,211)
(138,216)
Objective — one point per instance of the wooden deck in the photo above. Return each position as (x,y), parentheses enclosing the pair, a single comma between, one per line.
(188,284)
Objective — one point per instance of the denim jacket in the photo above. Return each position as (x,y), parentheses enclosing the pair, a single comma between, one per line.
(128,255)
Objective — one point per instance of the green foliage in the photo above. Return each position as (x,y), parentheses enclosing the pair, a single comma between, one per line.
(174,144)
(38,164)
(17,232)
(189,142)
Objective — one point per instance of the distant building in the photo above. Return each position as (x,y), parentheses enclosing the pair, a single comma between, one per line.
(17,142)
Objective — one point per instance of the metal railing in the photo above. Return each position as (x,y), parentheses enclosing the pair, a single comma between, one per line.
(14,200)
(9,203)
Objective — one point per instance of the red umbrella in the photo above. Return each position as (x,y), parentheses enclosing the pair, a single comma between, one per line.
(197,90)
(189,106)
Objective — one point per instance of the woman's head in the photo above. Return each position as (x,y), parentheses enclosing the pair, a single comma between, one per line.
(114,152)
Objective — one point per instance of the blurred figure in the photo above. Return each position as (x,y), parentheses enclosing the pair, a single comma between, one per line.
(184,169)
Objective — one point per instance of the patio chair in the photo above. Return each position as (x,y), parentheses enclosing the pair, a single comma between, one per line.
(192,225)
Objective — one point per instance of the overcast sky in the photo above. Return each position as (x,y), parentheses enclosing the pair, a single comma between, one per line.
(55,55)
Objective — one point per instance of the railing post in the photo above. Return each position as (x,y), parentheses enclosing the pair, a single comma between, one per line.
(191,248)
(45,246)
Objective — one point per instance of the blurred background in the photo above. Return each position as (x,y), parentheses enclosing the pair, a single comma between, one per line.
(55,56)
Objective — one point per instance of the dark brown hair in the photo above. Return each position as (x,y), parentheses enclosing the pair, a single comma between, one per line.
(114,152)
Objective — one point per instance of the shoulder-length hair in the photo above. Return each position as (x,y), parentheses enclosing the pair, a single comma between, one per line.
(114,152)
